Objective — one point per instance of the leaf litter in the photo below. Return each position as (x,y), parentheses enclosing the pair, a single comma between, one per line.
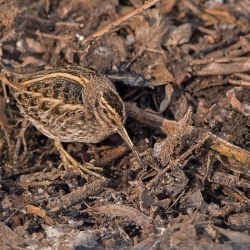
(173,56)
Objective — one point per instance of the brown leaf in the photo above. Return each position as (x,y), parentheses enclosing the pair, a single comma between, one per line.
(125,211)
(178,35)
(185,238)
(168,5)
(236,104)
(33,46)
(221,14)
(151,35)
(234,236)
(168,93)
(7,235)
(160,72)
(31,60)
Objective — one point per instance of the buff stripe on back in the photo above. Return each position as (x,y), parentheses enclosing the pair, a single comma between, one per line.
(81,80)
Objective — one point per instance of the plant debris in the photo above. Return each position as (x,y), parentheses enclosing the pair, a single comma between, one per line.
(181,68)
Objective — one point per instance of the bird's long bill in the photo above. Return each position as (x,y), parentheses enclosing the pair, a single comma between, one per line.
(123,133)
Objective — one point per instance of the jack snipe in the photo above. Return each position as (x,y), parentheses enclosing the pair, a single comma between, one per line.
(71,104)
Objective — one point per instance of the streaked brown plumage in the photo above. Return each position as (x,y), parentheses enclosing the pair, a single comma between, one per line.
(71,104)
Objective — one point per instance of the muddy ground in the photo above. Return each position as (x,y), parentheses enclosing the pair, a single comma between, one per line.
(181,67)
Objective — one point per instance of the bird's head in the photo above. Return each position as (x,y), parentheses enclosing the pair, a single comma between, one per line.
(111,110)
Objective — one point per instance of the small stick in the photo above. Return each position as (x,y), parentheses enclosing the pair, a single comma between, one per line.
(169,127)
(61,38)
(39,183)
(238,207)
(97,35)
(178,160)
(124,211)
(112,155)
(41,213)
(78,195)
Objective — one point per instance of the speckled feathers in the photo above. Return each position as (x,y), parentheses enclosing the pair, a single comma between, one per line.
(70,104)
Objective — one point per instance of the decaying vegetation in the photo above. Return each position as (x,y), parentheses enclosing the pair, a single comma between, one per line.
(182,69)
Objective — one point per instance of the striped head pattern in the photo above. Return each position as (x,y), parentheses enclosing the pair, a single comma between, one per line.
(111,108)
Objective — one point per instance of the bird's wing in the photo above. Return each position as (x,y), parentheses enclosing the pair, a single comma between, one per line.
(52,92)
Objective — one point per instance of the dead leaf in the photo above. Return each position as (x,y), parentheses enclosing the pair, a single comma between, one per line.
(221,15)
(234,236)
(151,35)
(185,238)
(178,35)
(236,104)
(125,211)
(168,5)
(7,235)
(168,93)
(70,239)
(170,146)
(31,45)
(28,60)
(31,60)
(159,71)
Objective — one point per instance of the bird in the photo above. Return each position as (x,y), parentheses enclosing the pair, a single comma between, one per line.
(71,104)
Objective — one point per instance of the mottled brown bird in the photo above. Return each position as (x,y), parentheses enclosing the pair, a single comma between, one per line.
(71,104)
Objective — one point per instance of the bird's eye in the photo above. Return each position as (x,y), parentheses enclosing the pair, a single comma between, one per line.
(105,111)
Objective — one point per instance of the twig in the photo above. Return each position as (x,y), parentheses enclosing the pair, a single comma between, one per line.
(231,208)
(169,127)
(18,209)
(124,211)
(55,37)
(38,167)
(224,59)
(112,155)
(69,24)
(41,213)
(205,115)
(214,69)
(78,195)
(61,38)
(97,35)
(178,160)
(244,81)
(239,82)
(39,183)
